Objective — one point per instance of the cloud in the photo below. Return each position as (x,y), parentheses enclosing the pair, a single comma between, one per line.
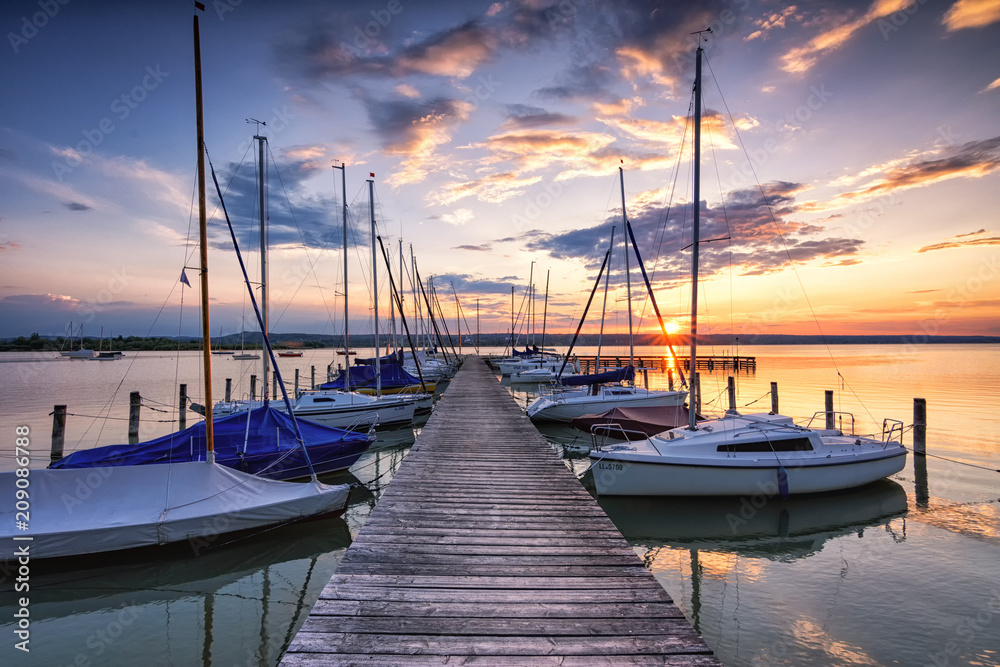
(947,245)
(992,86)
(493,188)
(802,58)
(414,129)
(769,22)
(522,116)
(298,220)
(755,246)
(970,160)
(483,247)
(971,14)
(77,206)
(458,218)
(10,245)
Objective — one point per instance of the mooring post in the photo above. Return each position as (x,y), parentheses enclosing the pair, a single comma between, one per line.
(58,432)
(229,389)
(920,426)
(830,424)
(182,408)
(645,378)
(274,385)
(774,398)
(312,378)
(134,401)
(296,382)
(253,387)
(670,379)
(732,395)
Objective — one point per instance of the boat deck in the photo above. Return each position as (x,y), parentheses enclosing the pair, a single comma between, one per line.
(486,549)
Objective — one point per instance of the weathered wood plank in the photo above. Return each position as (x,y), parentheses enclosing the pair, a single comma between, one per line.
(499,610)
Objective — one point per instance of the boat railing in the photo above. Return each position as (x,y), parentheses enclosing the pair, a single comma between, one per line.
(833,414)
(891,430)
(601,434)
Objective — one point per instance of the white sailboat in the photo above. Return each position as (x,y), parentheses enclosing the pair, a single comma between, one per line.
(595,394)
(81,353)
(741,454)
(75,513)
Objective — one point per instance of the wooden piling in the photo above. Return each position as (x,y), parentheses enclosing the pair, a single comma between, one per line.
(774,398)
(134,402)
(182,412)
(670,379)
(732,394)
(253,387)
(229,389)
(312,377)
(920,426)
(830,424)
(296,382)
(58,432)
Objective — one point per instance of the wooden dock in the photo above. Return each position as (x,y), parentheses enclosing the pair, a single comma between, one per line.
(485,549)
(663,364)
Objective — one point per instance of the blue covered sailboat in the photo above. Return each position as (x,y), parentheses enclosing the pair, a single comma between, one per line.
(261,442)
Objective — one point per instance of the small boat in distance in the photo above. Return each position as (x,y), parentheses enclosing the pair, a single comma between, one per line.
(245,356)
(289,353)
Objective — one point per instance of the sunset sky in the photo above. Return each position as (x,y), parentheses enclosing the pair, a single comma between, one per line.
(495,131)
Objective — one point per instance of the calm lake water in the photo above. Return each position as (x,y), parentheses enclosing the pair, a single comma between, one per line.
(905,572)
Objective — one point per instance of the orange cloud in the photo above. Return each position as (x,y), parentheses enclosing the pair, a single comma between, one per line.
(946,245)
(802,58)
(971,14)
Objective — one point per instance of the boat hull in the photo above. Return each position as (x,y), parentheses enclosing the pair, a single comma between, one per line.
(571,405)
(83,511)
(620,476)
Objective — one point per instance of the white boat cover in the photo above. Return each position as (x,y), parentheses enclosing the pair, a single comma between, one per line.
(96,510)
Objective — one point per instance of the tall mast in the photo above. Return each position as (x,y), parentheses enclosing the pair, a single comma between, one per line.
(347,340)
(206,336)
(695,232)
(628,282)
(262,205)
(378,362)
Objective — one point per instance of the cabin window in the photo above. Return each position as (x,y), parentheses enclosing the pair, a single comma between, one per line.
(323,400)
(785,445)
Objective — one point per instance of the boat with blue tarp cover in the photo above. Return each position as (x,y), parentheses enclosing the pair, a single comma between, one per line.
(261,442)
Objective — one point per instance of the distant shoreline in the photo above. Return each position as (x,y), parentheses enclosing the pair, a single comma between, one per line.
(36,342)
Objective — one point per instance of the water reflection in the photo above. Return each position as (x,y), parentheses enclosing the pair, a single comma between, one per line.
(758,526)
(238,604)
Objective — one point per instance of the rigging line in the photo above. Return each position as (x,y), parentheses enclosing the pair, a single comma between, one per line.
(774,222)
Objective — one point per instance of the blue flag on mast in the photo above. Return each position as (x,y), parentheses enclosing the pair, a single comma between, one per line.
(184,278)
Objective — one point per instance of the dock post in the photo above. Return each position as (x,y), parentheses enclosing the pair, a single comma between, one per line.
(732,395)
(920,426)
(229,389)
(645,378)
(774,398)
(670,379)
(296,382)
(274,385)
(182,407)
(253,387)
(58,432)
(312,381)
(134,401)
(830,424)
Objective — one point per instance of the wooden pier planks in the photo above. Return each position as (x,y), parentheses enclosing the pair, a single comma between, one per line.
(484,549)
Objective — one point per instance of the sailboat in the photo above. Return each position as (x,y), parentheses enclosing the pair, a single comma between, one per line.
(81,353)
(81,512)
(741,454)
(342,406)
(587,394)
